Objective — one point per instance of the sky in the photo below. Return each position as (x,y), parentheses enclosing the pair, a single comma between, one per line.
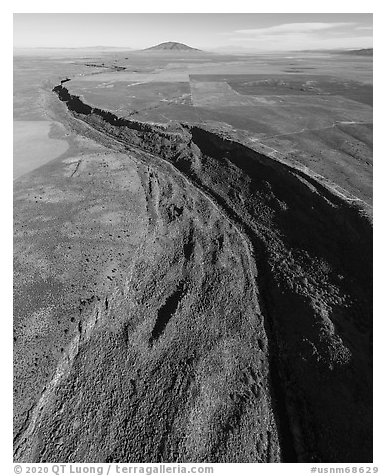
(229,31)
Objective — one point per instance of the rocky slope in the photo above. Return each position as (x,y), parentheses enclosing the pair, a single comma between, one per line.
(239,329)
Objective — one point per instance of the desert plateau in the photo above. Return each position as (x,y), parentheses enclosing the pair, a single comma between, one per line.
(192,256)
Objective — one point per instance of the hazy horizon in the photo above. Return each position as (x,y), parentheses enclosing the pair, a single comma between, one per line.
(207,31)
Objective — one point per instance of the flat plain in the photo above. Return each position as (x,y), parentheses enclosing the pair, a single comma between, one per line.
(193,257)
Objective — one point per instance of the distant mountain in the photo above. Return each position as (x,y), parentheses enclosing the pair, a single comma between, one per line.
(171,46)
(362,52)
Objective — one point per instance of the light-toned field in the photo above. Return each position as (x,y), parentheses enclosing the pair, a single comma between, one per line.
(32,146)
(156,76)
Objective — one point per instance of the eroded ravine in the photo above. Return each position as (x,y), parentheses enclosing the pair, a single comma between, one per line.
(303,278)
